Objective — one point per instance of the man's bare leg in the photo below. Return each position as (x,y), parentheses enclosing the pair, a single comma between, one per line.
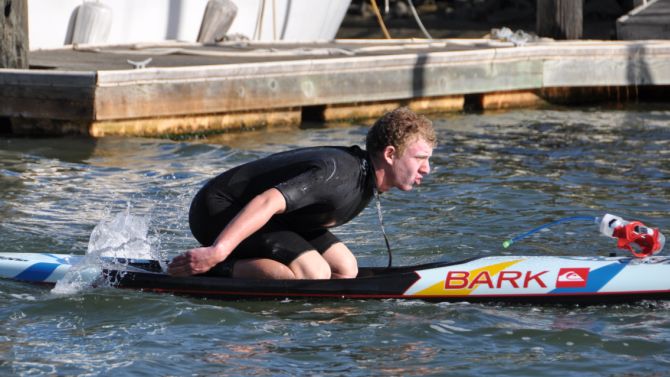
(309,265)
(342,261)
(261,268)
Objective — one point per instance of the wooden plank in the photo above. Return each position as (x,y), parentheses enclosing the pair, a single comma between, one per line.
(509,100)
(368,110)
(576,96)
(49,127)
(128,94)
(182,54)
(628,65)
(46,77)
(201,124)
(185,99)
(45,94)
(193,90)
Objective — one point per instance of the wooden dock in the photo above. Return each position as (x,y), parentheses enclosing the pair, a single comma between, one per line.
(190,88)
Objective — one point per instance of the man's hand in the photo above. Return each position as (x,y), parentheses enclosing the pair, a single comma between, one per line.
(193,262)
(252,217)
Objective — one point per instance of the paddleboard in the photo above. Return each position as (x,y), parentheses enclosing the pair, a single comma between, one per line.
(520,279)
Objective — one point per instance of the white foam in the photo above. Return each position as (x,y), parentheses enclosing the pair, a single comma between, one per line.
(24,296)
(123,235)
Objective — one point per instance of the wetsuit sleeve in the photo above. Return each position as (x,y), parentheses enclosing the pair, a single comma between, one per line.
(307,187)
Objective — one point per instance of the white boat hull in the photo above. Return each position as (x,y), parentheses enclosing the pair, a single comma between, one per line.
(160,20)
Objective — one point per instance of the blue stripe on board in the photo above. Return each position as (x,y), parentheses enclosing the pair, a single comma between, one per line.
(597,279)
(38,272)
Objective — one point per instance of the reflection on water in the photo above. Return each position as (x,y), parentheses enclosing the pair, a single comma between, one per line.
(494,176)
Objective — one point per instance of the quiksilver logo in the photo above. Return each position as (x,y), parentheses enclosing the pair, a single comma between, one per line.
(572,277)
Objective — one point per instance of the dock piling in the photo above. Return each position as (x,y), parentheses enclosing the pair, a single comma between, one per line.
(560,19)
(14,34)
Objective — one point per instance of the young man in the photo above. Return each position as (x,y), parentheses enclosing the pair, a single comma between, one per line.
(269,218)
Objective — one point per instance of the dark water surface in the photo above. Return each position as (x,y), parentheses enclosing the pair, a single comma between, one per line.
(494,176)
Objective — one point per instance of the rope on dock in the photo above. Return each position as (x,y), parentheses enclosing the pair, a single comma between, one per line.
(380,19)
(418,20)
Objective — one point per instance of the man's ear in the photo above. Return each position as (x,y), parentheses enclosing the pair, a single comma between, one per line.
(389,154)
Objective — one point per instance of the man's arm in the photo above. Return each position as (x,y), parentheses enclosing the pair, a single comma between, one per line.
(252,217)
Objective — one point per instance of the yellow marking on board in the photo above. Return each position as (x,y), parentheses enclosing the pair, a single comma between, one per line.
(438,288)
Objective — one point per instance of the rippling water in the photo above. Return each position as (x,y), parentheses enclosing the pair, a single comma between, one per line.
(494,176)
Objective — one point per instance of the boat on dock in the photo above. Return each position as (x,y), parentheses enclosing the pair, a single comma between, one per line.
(51,23)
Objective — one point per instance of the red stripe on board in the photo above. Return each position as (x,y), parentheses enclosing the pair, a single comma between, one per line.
(382,296)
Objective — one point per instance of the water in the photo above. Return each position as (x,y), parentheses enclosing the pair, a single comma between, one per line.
(494,176)
(123,236)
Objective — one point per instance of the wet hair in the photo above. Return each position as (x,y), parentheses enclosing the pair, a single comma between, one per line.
(399,128)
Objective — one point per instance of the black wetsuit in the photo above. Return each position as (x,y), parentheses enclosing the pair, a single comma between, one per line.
(323,187)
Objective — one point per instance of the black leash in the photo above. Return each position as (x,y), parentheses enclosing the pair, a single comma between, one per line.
(381,222)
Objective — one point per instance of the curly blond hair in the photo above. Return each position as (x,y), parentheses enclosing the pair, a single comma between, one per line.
(399,128)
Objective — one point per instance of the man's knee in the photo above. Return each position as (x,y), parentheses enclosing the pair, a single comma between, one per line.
(342,262)
(348,271)
(261,269)
(310,265)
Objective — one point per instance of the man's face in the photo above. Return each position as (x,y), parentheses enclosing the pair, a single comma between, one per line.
(410,167)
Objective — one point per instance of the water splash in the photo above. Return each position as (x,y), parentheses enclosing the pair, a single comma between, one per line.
(122,235)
